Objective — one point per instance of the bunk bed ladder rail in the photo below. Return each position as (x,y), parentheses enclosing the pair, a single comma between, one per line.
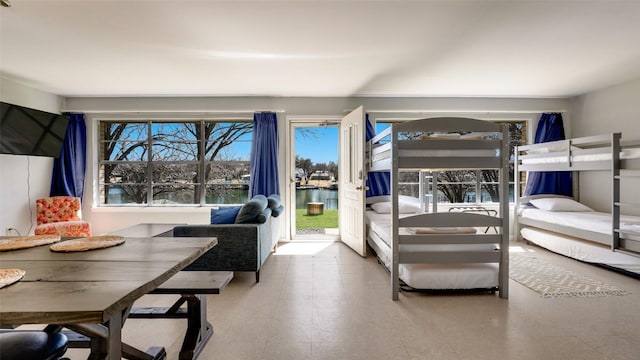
(619,244)
(615,191)
(504,214)
(629,247)
(395,225)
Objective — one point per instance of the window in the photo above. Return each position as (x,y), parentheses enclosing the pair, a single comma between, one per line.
(463,186)
(162,163)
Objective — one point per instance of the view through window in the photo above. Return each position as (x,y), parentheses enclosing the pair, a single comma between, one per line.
(458,187)
(206,162)
(161,163)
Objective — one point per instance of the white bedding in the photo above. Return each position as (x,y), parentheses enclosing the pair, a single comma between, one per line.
(430,276)
(381,224)
(587,220)
(581,250)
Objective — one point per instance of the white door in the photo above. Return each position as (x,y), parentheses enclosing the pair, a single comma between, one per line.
(351,183)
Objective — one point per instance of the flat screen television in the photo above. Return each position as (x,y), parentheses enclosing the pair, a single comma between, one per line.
(26,131)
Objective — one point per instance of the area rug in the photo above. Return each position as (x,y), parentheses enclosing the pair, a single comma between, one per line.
(552,281)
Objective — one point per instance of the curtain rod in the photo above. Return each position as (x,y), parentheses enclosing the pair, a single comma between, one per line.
(170,111)
(464,111)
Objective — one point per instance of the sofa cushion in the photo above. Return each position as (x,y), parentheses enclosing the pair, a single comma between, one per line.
(251,209)
(225,215)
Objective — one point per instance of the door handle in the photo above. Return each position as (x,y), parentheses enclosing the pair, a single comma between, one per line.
(362,188)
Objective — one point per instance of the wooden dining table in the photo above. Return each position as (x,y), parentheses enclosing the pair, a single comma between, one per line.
(91,292)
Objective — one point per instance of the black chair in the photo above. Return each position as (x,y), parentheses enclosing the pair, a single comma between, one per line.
(32,345)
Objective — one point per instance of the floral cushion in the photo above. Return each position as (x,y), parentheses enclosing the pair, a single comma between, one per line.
(57,208)
(60,215)
(65,229)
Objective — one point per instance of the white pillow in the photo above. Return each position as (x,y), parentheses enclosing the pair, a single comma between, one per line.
(404,199)
(377,199)
(559,204)
(403,207)
(387,198)
(550,149)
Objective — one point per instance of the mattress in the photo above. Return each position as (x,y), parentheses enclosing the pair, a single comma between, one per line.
(581,250)
(381,225)
(595,221)
(430,276)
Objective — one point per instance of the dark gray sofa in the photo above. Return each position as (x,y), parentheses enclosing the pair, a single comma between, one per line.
(241,247)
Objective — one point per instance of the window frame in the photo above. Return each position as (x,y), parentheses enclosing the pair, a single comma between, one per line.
(202,184)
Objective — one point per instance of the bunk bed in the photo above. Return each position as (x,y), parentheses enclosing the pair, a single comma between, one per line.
(564,225)
(441,250)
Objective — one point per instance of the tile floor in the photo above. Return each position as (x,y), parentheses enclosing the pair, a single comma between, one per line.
(319,300)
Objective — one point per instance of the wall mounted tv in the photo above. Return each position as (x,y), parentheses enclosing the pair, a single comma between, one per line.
(26,131)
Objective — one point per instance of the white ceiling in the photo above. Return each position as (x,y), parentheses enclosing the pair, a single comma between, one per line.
(320,48)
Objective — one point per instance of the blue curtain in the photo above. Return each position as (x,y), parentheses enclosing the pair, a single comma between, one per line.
(69,169)
(264,155)
(378,182)
(549,128)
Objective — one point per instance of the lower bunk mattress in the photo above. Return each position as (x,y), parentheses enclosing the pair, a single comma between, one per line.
(582,250)
(431,276)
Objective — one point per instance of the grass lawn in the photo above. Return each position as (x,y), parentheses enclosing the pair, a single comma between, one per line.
(327,220)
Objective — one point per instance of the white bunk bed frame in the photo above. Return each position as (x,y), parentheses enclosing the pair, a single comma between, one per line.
(445,154)
(592,153)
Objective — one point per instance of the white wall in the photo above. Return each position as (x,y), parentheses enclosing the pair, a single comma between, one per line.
(24,178)
(109,219)
(614,109)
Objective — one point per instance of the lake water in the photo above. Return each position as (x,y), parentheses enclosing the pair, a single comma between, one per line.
(328,197)
(303,196)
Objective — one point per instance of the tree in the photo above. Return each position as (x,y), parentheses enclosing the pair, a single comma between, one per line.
(124,142)
(305,164)
(172,155)
(219,136)
(455,185)
(490,178)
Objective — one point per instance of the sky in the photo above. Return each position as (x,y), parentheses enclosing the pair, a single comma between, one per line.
(320,144)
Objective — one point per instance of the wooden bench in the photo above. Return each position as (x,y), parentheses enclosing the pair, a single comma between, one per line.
(192,286)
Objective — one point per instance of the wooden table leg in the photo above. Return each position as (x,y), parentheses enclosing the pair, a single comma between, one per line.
(105,342)
(199,330)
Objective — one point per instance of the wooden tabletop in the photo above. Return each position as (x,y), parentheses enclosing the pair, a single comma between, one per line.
(91,286)
(146,230)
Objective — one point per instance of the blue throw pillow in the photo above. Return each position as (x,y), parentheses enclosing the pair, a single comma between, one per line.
(261,199)
(263,216)
(224,215)
(274,201)
(251,209)
(277,211)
